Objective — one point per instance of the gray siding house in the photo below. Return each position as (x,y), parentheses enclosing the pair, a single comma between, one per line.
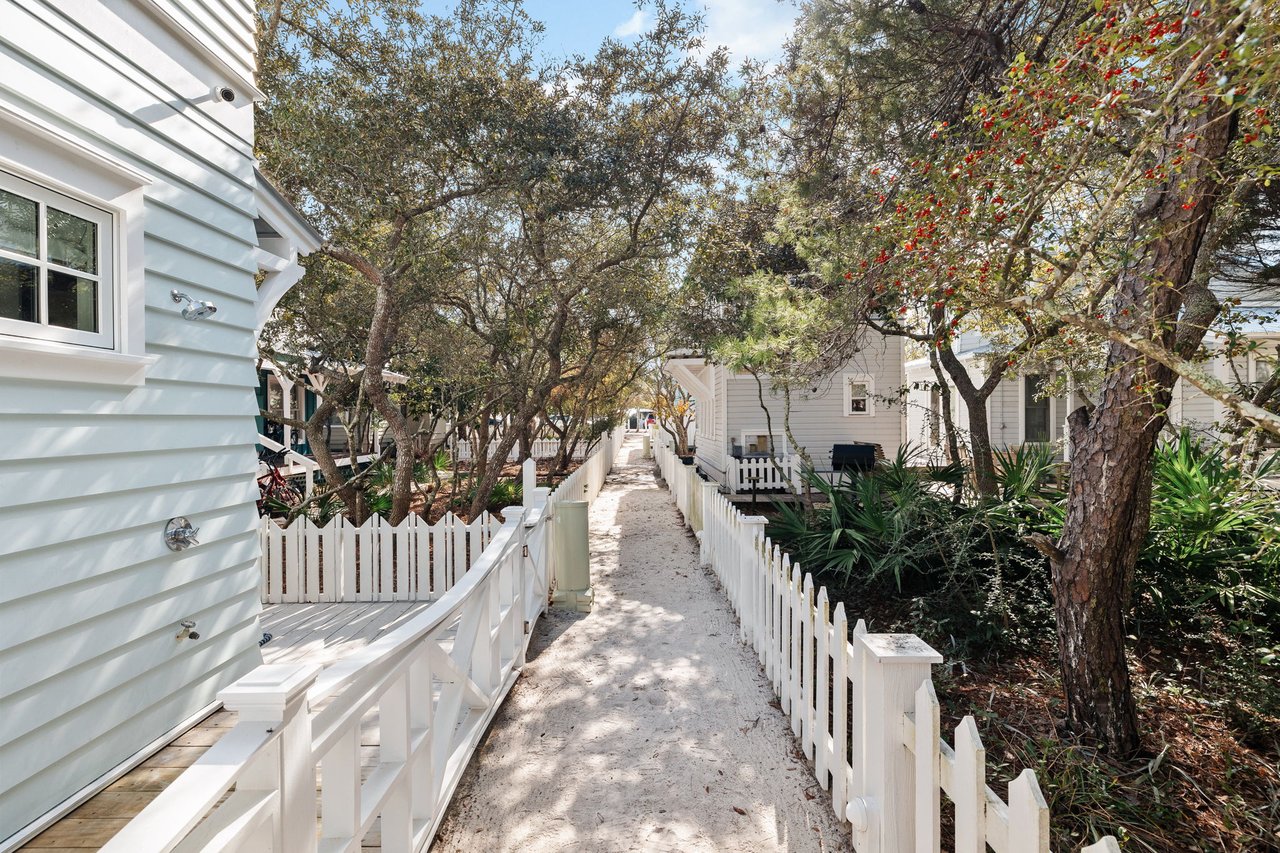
(856,404)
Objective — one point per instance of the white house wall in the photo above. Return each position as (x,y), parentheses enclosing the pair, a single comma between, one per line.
(1193,408)
(711,422)
(90,597)
(818,420)
(1005,409)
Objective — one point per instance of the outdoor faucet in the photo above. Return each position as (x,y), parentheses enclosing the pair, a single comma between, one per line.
(179,535)
(186,633)
(194,309)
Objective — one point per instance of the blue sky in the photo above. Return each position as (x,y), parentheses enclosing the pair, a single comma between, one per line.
(750,28)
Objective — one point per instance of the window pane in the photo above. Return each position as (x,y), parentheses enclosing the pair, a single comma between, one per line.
(858,398)
(1035,411)
(18,222)
(73,242)
(73,302)
(18,291)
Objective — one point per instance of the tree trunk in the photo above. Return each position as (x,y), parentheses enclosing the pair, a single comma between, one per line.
(526,441)
(984,466)
(944,399)
(1109,502)
(315,428)
(975,403)
(381,331)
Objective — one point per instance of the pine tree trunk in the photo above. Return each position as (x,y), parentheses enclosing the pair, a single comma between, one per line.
(1109,502)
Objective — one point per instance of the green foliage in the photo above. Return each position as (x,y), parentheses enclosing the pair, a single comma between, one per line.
(1029,499)
(1215,534)
(505,493)
(964,572)
(1208,578)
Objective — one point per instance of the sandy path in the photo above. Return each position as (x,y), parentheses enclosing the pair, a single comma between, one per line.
(644,725)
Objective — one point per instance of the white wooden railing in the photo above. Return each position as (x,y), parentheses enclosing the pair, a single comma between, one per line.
(762,474)
(374,561)
(862,705)
(430,687)
(542,448)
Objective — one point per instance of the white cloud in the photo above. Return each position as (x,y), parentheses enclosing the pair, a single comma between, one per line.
(749,28)
(632,26)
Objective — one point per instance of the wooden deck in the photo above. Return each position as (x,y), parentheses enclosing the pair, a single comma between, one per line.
(318,633)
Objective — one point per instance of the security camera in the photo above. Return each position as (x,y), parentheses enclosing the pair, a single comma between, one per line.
(225,93)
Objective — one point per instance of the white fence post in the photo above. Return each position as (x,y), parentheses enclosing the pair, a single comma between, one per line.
(529,470)
(537,564)
(749,570)
(276,695)
(710,523)
(893,666)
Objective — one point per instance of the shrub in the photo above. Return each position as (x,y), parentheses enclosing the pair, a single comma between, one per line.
(505,493)
(965,571)
(1215,533)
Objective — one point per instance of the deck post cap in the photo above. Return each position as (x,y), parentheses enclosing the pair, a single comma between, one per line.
(268,692)
(899,648)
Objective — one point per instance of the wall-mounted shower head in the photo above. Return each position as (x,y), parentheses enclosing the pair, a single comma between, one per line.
(194,309)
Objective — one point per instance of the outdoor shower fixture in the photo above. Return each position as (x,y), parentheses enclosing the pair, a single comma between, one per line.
(179,535)
(193,310)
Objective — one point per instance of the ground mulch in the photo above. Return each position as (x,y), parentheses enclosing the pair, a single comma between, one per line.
(1200,783)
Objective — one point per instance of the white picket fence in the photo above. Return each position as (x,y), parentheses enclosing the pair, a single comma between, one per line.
(375,561)
(762,474)
(863,705)
(430,687)
(542,448)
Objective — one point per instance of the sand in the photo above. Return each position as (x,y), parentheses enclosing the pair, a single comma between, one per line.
(646,724)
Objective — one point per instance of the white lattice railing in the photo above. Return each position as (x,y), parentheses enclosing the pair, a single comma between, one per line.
(430,687)
(862,705)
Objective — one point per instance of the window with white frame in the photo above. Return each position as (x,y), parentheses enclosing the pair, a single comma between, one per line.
(859,395)
(759,444)
(56,266)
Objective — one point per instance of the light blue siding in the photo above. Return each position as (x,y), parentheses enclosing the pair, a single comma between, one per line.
(90,597)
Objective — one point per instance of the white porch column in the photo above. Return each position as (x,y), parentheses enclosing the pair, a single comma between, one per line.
(286,394)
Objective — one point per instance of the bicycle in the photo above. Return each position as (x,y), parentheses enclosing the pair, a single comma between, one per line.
(275,492)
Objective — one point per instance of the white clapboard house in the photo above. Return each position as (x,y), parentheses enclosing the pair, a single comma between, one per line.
(888,395)
(130,209)
(1019,412)
(850,412)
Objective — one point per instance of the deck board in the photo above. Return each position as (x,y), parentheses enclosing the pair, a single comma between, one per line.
(301,633)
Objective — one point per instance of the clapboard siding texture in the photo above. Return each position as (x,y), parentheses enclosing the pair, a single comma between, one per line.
(711,441)
(90,597)
(817,419)
(1005,410)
